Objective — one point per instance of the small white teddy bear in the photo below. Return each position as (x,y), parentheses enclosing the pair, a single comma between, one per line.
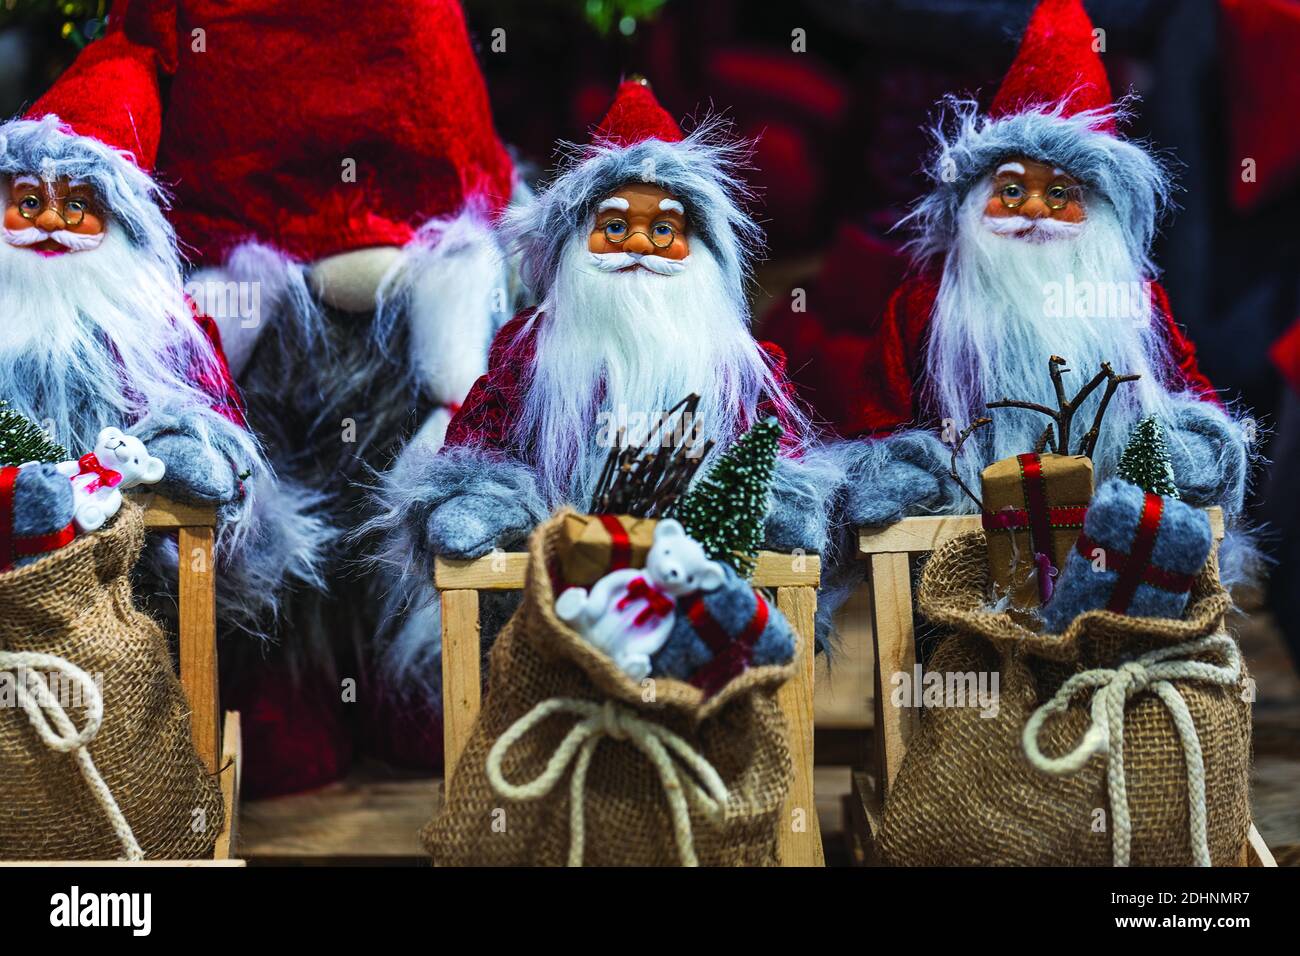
(119,461)
(629,614)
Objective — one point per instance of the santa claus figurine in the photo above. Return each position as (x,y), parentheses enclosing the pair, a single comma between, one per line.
(1035,241)
(98,333)
(639,251)
(336,179)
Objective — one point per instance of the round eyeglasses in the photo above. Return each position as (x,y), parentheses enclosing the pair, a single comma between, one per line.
(71,209)
(1055,197)
(661,234)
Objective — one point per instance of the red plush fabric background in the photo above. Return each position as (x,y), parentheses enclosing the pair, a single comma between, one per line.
(253,144)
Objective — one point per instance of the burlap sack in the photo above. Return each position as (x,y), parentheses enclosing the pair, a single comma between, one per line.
(626,817)
(76,605)
(967,794)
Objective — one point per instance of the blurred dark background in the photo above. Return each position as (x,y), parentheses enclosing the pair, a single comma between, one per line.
(837,92)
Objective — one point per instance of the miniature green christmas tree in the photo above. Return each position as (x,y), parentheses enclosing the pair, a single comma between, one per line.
(726,510)
(1145,461)
(22,440)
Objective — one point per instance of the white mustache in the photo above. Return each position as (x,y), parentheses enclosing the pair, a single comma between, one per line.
(1036,230)
(614,261)
(72,241)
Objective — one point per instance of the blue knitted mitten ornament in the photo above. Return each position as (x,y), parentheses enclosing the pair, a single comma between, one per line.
(1138,555)
(36,506)
(719,634)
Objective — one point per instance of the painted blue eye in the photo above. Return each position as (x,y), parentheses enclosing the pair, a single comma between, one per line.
(616,230)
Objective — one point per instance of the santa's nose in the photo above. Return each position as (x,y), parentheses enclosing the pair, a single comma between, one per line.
(1035,208)
(639,243)
(48,220)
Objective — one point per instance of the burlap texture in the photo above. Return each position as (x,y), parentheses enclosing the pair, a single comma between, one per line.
(741,731)
(967,795)
(76,604)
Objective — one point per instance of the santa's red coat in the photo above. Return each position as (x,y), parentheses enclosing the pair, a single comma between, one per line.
(862,365)
(215,380)
(489,412)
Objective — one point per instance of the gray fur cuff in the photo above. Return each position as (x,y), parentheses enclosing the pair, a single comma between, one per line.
(461,503)
(803,490)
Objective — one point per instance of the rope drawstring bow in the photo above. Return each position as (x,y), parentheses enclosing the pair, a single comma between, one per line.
(596,721)
(1112,688)
(56,730)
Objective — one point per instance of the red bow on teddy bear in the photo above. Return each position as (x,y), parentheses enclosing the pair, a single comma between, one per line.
(658,604)
(104,477)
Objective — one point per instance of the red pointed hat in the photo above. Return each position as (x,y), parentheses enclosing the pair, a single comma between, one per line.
(1056,63)
(110,93)
(636,116)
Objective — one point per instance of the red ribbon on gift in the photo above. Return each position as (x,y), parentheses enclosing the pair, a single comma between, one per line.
(13,546)
(620,545)
(731,656)
(1135,567)
(658,604)
(1039,517)
(104,477)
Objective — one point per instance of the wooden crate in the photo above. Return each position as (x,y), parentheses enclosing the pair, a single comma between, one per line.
(888,552)
(795,580)
(217,741)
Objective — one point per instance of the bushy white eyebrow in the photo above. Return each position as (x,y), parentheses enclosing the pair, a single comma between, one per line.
(20,181)
(672,205)
(613,202)
(1016,168)
(1058,172)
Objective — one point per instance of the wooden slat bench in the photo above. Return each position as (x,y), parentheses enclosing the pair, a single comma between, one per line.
(795,580)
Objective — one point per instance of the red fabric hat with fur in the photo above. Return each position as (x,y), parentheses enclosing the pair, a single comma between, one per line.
(110,93)
(635,116)
(1056,63)
(304,126)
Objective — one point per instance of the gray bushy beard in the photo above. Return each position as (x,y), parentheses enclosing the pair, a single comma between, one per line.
(997,319)
(96,338)
(640,342)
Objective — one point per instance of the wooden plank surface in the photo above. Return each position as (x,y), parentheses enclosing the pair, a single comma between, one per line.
(918,535)
(891,590)
(366,818)
(505,571)
(231,769)
(494,572)
(198,639)
(1257,852)
(799,836)
(161,513)
(462,686)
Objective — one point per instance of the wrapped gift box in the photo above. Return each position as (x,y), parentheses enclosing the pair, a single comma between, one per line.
(594,545)
(1034,506)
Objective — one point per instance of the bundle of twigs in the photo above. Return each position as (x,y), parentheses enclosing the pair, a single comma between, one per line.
(647,480)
